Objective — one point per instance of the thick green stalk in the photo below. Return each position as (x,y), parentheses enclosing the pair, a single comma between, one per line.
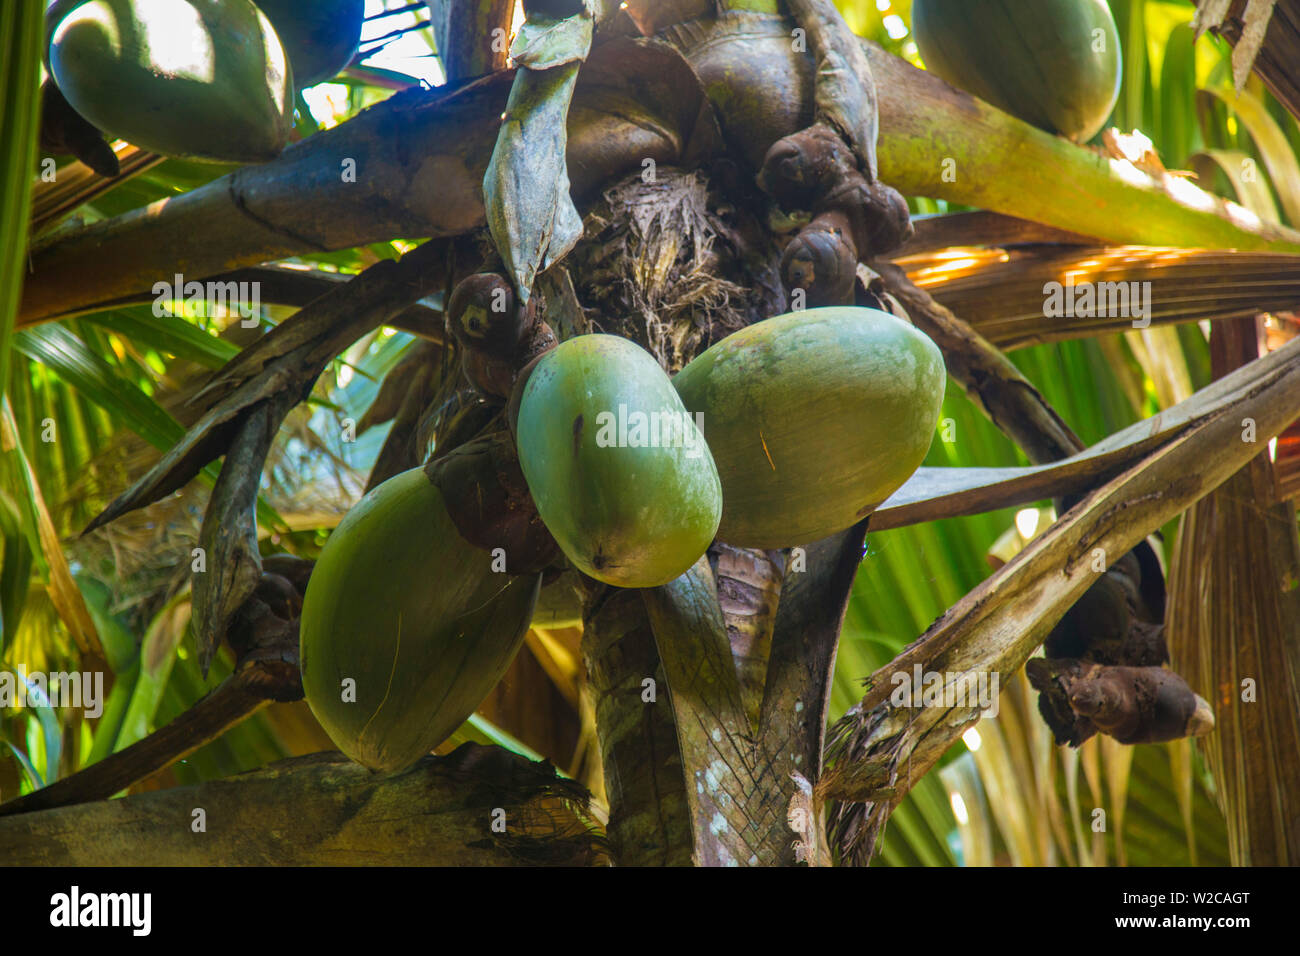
(21,33)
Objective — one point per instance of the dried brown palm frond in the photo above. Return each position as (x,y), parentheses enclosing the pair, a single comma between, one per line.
(1234,631)
(146,555)
(1000,292)
(1274,50)
(982,228)
(882,750)
(77,184)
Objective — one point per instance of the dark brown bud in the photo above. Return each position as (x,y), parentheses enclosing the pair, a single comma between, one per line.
(878,217)
(815,170)
(803,167)
(297,570)
(483,315)
(1132,704)
(64,130)
(822,261)
(497,336)
(1140,705)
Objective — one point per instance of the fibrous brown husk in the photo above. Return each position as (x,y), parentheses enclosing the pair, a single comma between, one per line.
(666,262)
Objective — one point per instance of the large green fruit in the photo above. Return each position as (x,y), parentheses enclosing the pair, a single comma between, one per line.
(618,470)
(205,79)
(55,10)
(1053,63)
(814,418)
(415,615)
(320,36)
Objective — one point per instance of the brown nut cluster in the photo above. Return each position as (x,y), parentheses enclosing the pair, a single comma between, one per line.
(1103,667)
(853,218)
(1135,705)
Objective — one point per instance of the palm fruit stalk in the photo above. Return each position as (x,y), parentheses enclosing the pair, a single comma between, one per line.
(618,470)
(225,94)
(814,418)
(1053,63)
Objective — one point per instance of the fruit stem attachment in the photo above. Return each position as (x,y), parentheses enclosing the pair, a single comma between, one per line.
(497,335)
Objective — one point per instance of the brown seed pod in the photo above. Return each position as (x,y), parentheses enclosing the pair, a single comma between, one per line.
(1132,704)
(815,170)
(64,130)
(483,315)
(263,633)
(297,570)
(497,336)
(1140,704)
(822,262)
(802,168)
(878,218)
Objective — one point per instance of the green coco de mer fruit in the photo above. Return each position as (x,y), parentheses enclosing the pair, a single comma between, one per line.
(203,79)
(617,468)
(405,626)
(320,36)
(814,418)
(1053,63)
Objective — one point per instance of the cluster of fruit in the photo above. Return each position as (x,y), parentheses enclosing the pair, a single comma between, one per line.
(203,79)
(780,434)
